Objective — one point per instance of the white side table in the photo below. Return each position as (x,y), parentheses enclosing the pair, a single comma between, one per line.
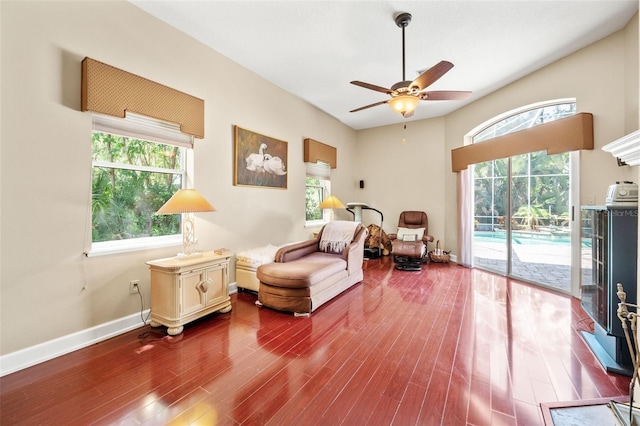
(183,290)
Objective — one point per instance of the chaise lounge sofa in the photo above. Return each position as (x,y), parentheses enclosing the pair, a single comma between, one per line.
(308,274)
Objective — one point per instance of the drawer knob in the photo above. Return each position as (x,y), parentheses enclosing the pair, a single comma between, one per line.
(204,286)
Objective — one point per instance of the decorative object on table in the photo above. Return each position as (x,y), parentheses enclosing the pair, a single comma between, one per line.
(438,255)
(187,201)
(259,160)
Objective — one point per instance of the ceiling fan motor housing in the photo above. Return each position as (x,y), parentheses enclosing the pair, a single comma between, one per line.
(404,87)
(403,19)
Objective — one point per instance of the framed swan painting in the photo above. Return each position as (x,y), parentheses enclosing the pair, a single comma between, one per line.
(259,160)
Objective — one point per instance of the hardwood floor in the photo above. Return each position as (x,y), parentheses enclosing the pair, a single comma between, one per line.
(447,345)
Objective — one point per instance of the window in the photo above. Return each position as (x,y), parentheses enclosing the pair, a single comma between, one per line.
(526,119)
(541,182)
(133,175)
(317,187)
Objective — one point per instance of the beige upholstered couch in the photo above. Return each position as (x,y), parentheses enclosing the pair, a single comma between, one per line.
(304,276)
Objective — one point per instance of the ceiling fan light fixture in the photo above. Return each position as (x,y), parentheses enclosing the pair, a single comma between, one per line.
(404,104)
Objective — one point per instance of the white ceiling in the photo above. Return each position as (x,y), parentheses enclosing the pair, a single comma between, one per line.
(313,49)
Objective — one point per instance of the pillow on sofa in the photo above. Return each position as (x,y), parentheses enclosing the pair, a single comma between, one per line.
(418,232)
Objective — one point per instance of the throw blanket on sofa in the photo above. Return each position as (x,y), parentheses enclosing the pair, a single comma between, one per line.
(259,255)
(337,235)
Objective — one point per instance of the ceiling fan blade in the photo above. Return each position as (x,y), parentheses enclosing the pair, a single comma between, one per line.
(371,87)
(430,76)
(444,95)
(368,106)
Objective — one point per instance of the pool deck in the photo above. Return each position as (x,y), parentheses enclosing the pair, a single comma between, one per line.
(549,265)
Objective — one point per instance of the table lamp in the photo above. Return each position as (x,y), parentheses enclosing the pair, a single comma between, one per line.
(331,202)
(187,201)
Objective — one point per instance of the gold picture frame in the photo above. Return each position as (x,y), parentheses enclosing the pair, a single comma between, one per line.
(259,160)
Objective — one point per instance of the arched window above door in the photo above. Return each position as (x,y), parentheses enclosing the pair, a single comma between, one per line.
(525,120)
(549,128)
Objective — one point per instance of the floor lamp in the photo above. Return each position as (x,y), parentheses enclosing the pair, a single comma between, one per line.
(187,201)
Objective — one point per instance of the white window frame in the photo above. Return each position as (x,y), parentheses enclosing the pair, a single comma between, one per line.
(151,130)
(320,171)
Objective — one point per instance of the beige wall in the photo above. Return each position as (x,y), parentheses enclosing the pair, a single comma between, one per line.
(403,175)
(46,160)
(46,155)
(631,75)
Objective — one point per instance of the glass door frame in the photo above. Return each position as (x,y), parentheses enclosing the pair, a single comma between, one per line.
(573,207)
(574,227)
(576,237)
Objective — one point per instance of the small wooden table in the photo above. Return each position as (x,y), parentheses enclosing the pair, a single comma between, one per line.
(185,289)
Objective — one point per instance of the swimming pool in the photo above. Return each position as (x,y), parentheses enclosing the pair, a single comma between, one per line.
(520,237)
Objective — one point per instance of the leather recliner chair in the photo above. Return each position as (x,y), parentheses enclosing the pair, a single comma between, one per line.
(409,244)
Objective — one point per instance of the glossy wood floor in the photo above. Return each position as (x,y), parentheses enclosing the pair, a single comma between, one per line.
(448,345)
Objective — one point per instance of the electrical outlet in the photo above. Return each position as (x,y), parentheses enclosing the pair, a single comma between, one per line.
(133,286)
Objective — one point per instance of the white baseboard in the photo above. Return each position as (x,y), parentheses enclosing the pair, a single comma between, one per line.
(24,358)
(28,357)
(453,258)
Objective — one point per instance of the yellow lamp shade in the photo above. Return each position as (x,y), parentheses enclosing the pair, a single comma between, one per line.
(186,201)
(331,202)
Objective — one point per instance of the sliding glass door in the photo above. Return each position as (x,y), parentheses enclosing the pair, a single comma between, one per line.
(491,207)
(522,209)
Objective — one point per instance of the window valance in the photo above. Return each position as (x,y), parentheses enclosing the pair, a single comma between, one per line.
(111,91)
(563,135)
(315,151)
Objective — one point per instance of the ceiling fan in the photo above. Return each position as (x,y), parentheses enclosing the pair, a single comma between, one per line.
(405,95)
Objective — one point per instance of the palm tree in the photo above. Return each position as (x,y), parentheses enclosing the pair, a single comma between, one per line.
(531,216)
